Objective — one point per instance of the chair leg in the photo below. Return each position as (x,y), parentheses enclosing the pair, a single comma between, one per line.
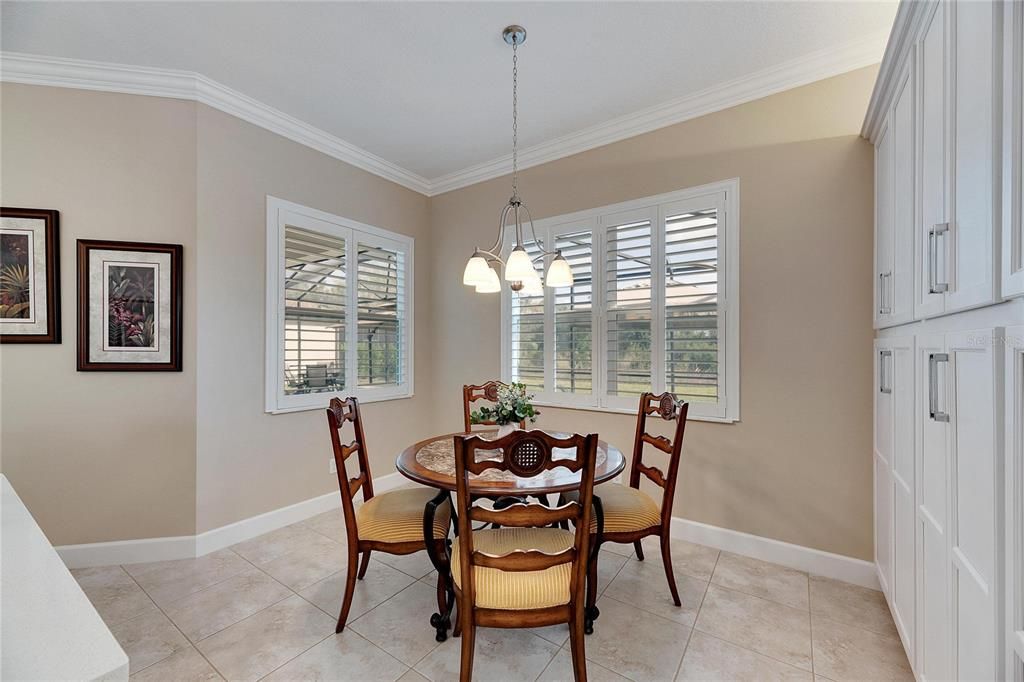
(666,557)
(591,612)
(350,587)
(468,643)
(639,550)
(577,645)
(362,566)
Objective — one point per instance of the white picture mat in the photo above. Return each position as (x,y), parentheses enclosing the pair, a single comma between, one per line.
(155,267)
(98,306)
(37,321)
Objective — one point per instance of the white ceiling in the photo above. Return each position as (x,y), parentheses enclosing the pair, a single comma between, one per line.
(427,85)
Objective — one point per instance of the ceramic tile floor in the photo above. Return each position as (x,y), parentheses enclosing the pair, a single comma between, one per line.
(266,608)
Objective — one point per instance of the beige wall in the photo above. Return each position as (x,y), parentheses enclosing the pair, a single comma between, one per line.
(797,467)
(100,456)
(249,461)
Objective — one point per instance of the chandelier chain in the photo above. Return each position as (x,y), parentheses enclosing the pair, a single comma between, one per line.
(515,120)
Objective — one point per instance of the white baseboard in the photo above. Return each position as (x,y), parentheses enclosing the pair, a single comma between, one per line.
(815,561)
(127,551)
(191,546)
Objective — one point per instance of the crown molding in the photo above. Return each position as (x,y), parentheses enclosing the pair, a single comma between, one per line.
(910,17)
(794,73)
(137,80)
(188,85)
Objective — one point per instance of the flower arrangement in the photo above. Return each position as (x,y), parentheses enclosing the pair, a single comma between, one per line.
(512,406)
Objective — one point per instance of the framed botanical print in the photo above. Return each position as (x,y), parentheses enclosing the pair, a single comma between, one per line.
(129,306)
(29,276)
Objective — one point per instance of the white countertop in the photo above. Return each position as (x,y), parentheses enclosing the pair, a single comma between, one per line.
(48,628)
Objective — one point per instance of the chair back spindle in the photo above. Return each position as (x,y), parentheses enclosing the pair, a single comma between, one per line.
(666,407)
(525,454)
(487,391)
(339,413)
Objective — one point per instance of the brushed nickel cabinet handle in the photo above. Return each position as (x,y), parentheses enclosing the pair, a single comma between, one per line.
(884,378)
(933,386)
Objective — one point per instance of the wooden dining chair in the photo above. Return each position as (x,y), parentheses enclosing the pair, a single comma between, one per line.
(523,574)
(486,391)
(630,514)
(394,522)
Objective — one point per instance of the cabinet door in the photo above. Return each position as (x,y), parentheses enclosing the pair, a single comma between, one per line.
(975,504)
(929,293)
(883,228)
(1013,149)
(900,382)
(1014,464)
(883,464)
(903,144)
(970,239)
(931,440)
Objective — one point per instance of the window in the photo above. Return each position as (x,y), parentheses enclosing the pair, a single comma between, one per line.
(339,309)
(654,306)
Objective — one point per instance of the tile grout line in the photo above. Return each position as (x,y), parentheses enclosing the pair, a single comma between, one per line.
(689,637)
(175,626)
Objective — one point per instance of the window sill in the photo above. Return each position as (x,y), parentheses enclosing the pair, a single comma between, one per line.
(363,400)
(630,411)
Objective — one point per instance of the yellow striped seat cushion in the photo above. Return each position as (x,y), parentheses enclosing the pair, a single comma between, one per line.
(517,590)
(397,516)
(625,509)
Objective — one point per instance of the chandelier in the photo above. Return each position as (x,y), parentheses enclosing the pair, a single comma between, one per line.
(520,272)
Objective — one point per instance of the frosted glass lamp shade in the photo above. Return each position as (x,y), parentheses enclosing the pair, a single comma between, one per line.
(532,286)
(491,285)
(476,271)
(519,266)
(559,273)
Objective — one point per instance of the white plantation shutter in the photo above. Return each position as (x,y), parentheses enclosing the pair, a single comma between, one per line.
(380,304)
(653,306)
(339,309)
(691,305)
(315,304)
(574,316)
(526,346)
(629,304)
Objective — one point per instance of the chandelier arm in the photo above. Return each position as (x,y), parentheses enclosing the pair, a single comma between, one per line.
(533,231)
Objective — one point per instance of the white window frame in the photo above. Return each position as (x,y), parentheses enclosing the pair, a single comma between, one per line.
(725,197)
(281,212)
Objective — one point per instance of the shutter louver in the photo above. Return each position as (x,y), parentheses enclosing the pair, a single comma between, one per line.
(628,308)
(573,313)
(527,332)
(315,299)
(380,313)
(691,305)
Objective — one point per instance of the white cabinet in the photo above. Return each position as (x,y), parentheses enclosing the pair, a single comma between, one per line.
(895,516)
(1013,150)
(1014,505)
(955,239)
(895,210)
(931,234)
(959,502)
(975,34)
(884,232)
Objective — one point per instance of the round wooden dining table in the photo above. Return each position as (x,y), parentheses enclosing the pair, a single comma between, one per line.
(431,462)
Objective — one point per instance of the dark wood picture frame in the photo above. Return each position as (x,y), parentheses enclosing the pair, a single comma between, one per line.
(175,251)
(51,220)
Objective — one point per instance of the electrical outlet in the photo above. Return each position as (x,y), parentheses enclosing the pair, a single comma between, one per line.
(332,466)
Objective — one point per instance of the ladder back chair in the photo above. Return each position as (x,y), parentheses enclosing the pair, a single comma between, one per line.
(527,573)
(629,514)
(394,522)
(486,391)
